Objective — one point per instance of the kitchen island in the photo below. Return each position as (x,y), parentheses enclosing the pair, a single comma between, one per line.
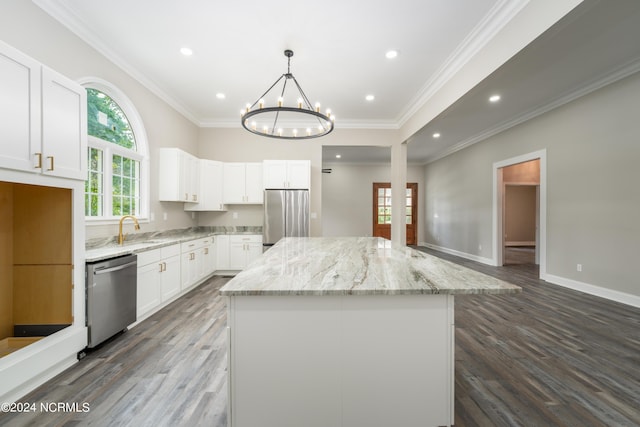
(345,332)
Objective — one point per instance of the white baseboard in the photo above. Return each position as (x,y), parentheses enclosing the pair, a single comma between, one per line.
(465,255)
(610,294)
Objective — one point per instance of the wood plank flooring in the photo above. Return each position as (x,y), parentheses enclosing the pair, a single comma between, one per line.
(549,356)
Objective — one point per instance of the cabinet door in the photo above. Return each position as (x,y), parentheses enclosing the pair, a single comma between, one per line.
(64,126)
(274,174)
(172,177)
(254,187)
(234,183)
(191,177)
(19,110)
(170,277)
(149,289)
(237,256)
(299,174)
(210,187)
(189,269)
(222,252)
(207,264)
(254,251)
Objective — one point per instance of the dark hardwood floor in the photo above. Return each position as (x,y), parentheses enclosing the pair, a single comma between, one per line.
(549,356)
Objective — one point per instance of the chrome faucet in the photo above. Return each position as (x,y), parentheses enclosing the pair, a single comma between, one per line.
(120,235)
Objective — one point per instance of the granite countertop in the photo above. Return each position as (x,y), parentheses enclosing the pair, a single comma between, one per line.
(356,266)
(99,249)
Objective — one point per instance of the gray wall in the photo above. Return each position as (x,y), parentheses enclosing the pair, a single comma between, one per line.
(347,198)
(593,200)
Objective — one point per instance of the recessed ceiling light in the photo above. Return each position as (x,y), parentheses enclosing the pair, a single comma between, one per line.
(220,95)
(391,54)
(494,98)
(436,135)
(338,156)
(369,97)
(186,51)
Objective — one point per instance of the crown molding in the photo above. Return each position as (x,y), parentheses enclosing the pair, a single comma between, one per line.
(340,124)
(69,19)
(603,80)
(501,13)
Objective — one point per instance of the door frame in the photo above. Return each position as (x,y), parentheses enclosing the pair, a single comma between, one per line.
(498,214)
(414,207)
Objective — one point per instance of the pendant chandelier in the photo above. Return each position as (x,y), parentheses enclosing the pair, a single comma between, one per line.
(302,121)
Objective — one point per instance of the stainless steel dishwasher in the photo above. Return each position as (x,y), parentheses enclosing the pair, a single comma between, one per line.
(110,297)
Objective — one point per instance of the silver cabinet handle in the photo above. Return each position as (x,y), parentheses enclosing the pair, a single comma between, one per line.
(116,268)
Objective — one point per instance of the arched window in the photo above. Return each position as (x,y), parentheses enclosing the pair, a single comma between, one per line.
(117,182)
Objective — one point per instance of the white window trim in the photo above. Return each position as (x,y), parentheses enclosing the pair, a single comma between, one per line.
(141,153)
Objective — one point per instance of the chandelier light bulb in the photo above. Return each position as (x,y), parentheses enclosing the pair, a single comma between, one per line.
(261,103)
(299,102)
(295,132)
(280,102)
(308,131)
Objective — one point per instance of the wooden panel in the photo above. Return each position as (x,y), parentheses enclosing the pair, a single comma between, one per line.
(42,294)
(11,344)
(42,225)
(6,259)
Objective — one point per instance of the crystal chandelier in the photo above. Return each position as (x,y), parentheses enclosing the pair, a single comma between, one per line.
(302,121)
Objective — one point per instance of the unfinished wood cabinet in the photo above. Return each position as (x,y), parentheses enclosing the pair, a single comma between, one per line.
(42,295)
(42,225)
(42,255)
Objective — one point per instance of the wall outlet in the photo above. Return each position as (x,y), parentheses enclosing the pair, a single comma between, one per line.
(152,216)
(235,215)
(579,267)
(164,216)
(480,247)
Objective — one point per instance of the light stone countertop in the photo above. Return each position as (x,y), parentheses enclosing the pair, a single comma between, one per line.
(104,248)
(356,266)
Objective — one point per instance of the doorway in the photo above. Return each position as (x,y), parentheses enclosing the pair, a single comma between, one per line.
(382,211)
(520,211)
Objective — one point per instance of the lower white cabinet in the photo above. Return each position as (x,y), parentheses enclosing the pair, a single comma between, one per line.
(158,277)
(243,249)
(197,261)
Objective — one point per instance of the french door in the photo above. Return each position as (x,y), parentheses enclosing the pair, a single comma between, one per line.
(382,211)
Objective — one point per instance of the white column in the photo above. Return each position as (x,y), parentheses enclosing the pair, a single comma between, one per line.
(398,185)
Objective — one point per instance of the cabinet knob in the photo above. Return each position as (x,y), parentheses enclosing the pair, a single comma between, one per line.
(39,164)
(50,163)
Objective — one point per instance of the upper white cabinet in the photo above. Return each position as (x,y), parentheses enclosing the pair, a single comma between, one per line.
(243,183)
(44,118)
(293,174)
(210,187)
(179,179)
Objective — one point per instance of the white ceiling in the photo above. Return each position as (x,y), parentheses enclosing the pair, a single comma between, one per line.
(339,57)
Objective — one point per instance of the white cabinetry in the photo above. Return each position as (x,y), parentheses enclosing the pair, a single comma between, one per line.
(179,179)
(44,118)
(197,261)
(293,174)
(243,183)
(243,249)
(222,252)
(210,187)
(158,277)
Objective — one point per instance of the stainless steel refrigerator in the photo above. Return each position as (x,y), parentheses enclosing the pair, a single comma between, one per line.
(286,214)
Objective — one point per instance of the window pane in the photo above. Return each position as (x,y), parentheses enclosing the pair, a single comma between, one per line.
(380,192)
(93,186)
(409,219)
(107,121)
(126,186)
